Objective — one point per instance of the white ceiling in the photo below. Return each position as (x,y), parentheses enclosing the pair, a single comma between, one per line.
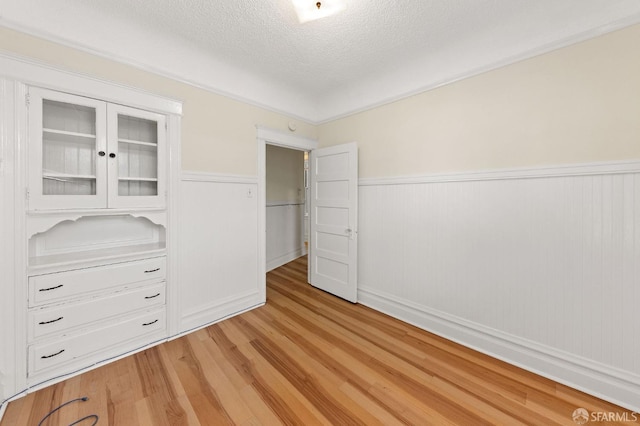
(374,52)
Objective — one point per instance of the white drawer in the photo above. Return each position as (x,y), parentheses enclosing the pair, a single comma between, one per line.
(52,287)
(59,319)
(98,344)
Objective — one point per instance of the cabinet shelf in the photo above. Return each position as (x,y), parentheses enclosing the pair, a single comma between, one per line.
(51,263)
(134,142)
(137,179)
(65,136)
(66,177)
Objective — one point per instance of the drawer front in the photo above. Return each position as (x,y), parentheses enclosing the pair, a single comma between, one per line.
(97,344)
(52,287)
(63,318)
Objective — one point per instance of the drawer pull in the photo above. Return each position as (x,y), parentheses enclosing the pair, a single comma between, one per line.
(149,323)
(152,270)
(49,322)
(51,288)
(52,355)
(151,297)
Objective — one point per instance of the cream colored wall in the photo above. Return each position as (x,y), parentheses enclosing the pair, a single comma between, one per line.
(285,174)
(218,133)
(578,104)
(574,105)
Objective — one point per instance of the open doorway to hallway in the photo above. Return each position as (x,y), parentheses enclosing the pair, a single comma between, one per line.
(287,213)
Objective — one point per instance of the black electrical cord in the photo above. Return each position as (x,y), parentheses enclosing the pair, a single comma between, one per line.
(90,416)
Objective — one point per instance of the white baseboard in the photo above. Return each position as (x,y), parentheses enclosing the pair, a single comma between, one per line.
(599,380)
(286,258)
(201,326)
(5,403)
(3,408)
(209,314)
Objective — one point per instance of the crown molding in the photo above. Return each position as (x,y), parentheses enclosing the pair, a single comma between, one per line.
(291,112)
(345,105)
(491,66)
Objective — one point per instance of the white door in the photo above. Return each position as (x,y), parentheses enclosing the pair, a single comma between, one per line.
(333,245)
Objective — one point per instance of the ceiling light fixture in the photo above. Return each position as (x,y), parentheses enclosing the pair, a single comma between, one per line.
(309,10)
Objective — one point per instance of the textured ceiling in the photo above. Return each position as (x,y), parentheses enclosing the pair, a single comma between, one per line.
(375,51)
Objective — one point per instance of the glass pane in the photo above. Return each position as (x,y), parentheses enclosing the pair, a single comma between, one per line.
(68,149)
(68,186)
(137,188)
(68,117)
(137,129)
(137,161)
(137,156)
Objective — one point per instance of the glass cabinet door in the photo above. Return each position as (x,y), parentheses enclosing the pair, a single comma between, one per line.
(66,151)
(136,157)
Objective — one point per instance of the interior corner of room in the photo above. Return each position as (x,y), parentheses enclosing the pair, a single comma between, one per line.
(500,210)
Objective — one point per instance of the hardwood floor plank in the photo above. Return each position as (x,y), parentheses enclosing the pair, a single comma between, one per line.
(380,413)
(227,394)
(404,372)
(287,405)
(312,376)
(307,358)
(143,413)
(320,351)
(357,358)
(261,411)
(203,396)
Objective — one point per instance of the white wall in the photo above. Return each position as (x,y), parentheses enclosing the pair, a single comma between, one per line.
(285,234)
(218,251)
(284,175)
(285,205)
(542,271)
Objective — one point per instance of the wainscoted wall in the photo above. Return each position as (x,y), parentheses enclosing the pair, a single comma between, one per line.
(538,267)
(285,233)
(218,248)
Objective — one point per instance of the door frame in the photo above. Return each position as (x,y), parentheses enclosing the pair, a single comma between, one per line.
(267,136)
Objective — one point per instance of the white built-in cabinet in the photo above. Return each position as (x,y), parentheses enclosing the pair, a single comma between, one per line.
(88,168)
(96,279)
(87,153)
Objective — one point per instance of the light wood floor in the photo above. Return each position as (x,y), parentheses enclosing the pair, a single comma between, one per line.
(307,358)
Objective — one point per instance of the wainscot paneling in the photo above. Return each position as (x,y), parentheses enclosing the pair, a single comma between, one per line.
(538,267)
(218,248)
(285,234)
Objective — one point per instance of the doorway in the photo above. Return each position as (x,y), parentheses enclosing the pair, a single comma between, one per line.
(286,205)
(333,212)
(269,137)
